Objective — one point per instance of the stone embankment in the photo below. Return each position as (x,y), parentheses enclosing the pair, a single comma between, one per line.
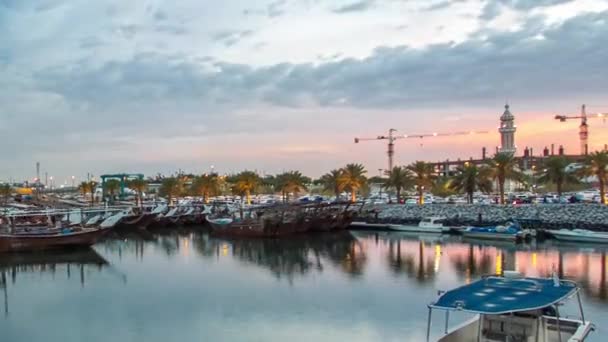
(547,216)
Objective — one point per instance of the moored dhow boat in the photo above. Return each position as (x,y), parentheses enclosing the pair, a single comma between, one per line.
(282,220)
(247,227)
(512,308)
(53,237)
(579,235)
(509,232)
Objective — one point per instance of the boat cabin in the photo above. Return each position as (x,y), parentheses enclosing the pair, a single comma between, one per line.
(512,308)
(432,222)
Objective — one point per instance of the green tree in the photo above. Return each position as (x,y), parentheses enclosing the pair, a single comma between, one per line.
(502,167)
(246,183)
(441,187)
(207,185)
(268,184)
(352,179)
(399,178)
(291,182)
(111,187)
(555,173)
(88,188)
(331,182)
(5,192)
(424,177)
(139,186)
(595,165)
(470,178)
(171,187)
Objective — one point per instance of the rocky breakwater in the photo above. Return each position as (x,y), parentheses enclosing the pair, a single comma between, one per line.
(547,216)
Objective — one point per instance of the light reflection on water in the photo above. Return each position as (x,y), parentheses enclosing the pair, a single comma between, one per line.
(185,285)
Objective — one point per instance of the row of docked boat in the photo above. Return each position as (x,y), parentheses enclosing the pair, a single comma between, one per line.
(510,231)
(53,228)
(283,219)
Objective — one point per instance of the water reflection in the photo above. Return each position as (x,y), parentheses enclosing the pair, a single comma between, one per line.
(421,259)
(290,257)
(184,284)
(416,263)
(77,261)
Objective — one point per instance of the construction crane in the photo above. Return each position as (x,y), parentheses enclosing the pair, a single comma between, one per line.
(583,132)
(392,137)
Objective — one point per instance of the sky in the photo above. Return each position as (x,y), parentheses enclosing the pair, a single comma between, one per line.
(274,85)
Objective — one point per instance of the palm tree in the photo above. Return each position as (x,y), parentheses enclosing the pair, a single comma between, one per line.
(291,182)
(139,186)
(555,172)
(88,188)
(111,187)
(424,176)
(596,165)
(246,182)
(331,182)
(206,185)
(399,178)
(471,178)
(5,192)
(170,188)
(441,188)
(502,167)
(352,179)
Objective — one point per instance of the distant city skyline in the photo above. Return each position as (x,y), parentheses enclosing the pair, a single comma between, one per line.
(277,85)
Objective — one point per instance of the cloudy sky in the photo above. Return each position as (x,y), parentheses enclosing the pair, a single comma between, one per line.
(153,86)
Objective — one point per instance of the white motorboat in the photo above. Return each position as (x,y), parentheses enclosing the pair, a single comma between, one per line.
(434,224)
(579,235)
(512,308)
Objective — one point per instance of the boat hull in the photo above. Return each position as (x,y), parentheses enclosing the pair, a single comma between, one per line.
(35,242)
(490,236)
(136,222)
(243,229)
(415,229)
(597,239)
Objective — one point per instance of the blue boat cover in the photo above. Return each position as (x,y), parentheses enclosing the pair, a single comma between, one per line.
(498,295)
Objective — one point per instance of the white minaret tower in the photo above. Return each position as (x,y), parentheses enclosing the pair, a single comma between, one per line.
(507,132)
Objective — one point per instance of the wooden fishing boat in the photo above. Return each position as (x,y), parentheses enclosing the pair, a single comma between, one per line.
(237,228)
(53,239)
(136,220)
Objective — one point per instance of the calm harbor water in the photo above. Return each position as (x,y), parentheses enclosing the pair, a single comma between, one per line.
(186,286)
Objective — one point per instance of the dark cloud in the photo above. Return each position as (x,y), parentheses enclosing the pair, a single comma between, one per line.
(443,4)
(274,9)
(127,31)
(359,6)
(171,29)
(154,95)
(229,38)
(530,4)
(161,15)
(532,62)
(492,7)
